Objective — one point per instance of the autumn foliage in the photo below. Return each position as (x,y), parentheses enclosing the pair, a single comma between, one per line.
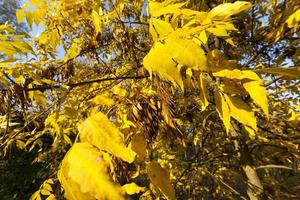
(154,99)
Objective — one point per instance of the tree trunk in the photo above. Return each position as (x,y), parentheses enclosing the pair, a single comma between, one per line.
(254,185)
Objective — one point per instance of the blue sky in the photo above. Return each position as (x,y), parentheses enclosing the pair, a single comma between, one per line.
(38,29)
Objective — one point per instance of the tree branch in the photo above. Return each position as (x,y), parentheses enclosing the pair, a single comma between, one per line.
(72,85)
(255,56)
(274,166)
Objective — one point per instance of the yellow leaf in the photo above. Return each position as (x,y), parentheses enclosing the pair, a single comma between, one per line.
(293,19)
(29,18)
(74,50)
(96,21)
(294,116)
(118,90)
(38,96)
(291,72)
(132,188)
(232,87)
(139,145)
(7,62)
(163,58)
(101,132)
(158,60)
(20,15)
(52,121)
(197,138)
(159,28)
(223,109)
(38,15)
(203,92)
(251,132)
(225,10)
(253,85)
(84,174)
(187,53)
(7,48)
(22,46)
(230,41)
(51,197)
(237,74)
(241,111)
(146,91)
(38,3)
(45,192)
(258,93)
(228,26)
(203,37)
(117,11)
(126,124)
(160,178)
(157,9)
(7,28)
(220,32)
(103,99)
(36,196)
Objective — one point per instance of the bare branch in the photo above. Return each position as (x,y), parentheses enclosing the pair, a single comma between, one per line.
(72,85)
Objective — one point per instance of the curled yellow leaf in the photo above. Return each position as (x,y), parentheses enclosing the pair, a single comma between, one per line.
(84,175)
(101,132)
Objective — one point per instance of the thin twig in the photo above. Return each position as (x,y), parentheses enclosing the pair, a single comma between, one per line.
(255,56)
(273,81)
(192,161)
(226,185)
(34,118)
(136,22)
(11,80)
